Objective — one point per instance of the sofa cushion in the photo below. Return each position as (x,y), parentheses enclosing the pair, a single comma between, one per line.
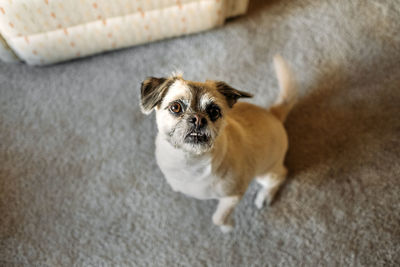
(45,31)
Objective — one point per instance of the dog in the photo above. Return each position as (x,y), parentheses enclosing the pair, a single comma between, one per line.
(209,146)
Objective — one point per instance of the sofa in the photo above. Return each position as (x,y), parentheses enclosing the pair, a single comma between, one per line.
(41,32)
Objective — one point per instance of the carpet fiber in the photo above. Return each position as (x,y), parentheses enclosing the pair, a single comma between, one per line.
(79,185)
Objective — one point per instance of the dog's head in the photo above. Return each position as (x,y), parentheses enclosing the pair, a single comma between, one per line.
(189,114)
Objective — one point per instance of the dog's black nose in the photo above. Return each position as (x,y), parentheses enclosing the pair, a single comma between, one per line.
(198,120)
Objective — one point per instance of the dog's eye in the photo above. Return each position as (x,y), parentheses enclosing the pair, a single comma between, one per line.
(214,113)
(176,108)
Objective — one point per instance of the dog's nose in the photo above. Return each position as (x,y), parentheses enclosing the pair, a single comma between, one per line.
(198,120)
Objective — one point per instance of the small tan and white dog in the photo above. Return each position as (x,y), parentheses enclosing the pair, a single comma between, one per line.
(210,147)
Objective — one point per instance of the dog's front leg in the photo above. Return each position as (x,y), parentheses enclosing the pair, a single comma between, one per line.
(222,216)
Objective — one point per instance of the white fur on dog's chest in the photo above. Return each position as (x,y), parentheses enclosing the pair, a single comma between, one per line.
(188,175)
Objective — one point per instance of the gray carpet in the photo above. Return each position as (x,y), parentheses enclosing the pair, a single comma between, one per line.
(79,185)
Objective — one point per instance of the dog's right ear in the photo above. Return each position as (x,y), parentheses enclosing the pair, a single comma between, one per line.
(152,92)
(231,94)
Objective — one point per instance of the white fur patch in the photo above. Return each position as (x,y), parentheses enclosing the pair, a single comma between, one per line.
(178,89)
(205,100)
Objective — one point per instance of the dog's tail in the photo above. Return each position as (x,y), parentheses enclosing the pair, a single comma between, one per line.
(288,92)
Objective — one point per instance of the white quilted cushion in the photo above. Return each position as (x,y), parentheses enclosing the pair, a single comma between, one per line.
(47,31)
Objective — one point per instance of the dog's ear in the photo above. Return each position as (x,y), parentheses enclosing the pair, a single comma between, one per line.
(231,94)
(152,92)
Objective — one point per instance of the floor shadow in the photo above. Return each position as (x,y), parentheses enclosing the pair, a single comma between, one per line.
(346,122)
(255,8)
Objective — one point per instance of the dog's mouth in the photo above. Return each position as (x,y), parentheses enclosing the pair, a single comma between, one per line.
(196,137)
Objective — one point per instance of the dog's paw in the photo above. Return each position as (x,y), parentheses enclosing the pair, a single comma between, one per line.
(263,197)
(217,219)
(226,228)
(259,200)
(225,224)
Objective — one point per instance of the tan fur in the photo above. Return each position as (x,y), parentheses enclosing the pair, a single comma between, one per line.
(249,137)
(287,95)
(247,142)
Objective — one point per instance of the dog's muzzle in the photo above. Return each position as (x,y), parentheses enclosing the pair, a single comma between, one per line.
(196,137)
